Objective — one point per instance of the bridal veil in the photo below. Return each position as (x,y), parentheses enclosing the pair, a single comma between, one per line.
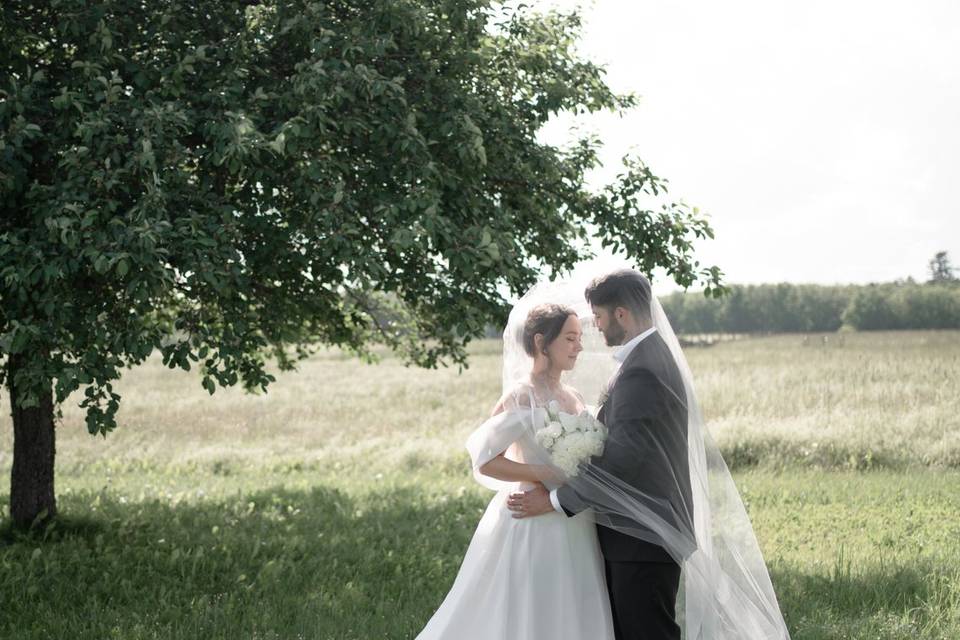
(693,511)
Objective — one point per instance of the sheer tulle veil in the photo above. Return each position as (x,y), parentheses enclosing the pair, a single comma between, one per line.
(726,591)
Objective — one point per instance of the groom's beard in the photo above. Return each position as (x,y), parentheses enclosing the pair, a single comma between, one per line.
(614,334)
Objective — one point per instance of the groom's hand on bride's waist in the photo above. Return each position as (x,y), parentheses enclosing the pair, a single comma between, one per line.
(534,502)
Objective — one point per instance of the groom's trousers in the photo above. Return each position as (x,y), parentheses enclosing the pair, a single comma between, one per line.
(643,599)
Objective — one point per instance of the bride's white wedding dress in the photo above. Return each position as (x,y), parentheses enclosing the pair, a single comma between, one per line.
(533,578)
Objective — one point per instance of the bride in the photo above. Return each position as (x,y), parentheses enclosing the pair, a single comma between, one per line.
(538,577)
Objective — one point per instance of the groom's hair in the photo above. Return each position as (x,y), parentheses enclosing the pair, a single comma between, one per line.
(548,319)
(622,288)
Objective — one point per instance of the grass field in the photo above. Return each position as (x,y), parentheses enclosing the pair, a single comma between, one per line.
(329,508)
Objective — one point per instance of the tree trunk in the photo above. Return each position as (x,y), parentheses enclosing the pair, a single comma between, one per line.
(31,479)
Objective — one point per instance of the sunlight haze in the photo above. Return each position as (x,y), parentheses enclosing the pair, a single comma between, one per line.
(821,137)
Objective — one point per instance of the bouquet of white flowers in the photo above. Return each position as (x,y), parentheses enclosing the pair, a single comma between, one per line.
(569,438)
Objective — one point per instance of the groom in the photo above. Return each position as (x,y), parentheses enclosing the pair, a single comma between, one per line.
(646,418)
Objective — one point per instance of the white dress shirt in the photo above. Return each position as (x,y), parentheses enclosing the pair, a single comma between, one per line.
(619,355)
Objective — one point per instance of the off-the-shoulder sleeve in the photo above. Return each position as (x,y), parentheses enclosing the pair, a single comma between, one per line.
(492,438)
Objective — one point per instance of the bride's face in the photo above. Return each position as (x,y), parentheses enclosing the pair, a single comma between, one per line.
(563,351)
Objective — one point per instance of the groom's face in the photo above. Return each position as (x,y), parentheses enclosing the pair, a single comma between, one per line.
(606,321)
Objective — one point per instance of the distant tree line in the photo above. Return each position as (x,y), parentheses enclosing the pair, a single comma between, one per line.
(784,307)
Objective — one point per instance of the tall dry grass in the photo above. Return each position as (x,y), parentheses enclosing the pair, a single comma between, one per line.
(838,401)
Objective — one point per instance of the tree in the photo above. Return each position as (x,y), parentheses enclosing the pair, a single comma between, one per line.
(940,268)
(874,308)
(231,181)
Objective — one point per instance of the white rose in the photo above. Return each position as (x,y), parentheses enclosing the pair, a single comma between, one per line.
(544,439)
(554,429)
(564,461)
(553,409)
(569,422)
(596,444)
(575,440)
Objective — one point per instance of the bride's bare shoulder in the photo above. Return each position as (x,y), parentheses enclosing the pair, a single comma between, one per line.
(581,403)
(573,391)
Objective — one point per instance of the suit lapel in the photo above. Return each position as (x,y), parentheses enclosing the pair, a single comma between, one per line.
(635,358)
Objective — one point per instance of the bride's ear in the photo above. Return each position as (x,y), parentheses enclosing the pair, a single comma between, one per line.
(538,342)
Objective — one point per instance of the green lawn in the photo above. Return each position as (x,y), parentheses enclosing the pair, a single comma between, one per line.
(339,504)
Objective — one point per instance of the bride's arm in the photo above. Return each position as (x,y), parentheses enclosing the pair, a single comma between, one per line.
(502,468)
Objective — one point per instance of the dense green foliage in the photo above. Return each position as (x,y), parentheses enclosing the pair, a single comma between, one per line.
(778,308)
(893,306)
(228,179)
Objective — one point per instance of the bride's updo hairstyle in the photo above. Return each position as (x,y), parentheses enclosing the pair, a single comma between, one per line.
(547,319)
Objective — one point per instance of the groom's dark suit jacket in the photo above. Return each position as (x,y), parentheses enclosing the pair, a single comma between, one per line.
(646,417)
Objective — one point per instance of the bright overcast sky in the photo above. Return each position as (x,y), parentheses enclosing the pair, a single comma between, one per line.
(823,138)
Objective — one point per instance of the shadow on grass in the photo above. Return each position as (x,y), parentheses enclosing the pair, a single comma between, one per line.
(281,563)
(921,600)
(277,563)
(62,527)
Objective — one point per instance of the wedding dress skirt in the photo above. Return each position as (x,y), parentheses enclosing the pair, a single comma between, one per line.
(535,578)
